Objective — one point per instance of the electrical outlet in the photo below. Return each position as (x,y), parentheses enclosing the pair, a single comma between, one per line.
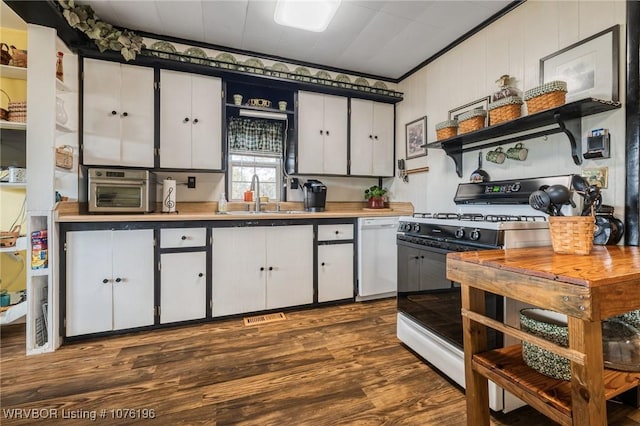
(294,183)
(191,182)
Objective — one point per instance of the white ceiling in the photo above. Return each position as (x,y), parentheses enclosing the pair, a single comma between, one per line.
(382,38)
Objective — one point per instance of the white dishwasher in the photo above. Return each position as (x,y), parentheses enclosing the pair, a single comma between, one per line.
(377,257)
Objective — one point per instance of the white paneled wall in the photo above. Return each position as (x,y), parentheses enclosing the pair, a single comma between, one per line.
(512,45)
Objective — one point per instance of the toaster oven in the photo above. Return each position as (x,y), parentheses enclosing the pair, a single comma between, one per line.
(121,191)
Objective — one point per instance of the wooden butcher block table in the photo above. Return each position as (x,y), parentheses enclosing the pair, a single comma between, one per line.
(587,289)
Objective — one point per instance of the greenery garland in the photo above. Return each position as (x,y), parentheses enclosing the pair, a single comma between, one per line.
(105,36)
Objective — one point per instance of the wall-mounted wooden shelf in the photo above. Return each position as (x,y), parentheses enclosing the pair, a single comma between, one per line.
(564,119)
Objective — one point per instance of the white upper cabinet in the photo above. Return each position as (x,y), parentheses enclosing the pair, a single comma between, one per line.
(372,138)
(190,121)
(118,114)
(322,133)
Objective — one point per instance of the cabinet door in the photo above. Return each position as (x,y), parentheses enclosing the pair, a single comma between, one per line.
(336,120)
(310,132)
(335,272)
(175,119)
(361,137)
(89,299)
(289,265)
(183,286)
(133,278)
(383,139)
(136,92)
(206,119)
(238,281)
(101,112)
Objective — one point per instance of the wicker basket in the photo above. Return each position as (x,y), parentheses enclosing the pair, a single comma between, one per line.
(549,95)
(471,120)
(572,234)
(5,56)
(504,109)
(18,57)
(8,239)
(64,157)
(18,112)
(447,129)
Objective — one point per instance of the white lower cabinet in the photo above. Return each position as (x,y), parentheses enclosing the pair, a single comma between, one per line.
(110,284)
(335,272)
(183,291)
(258,268)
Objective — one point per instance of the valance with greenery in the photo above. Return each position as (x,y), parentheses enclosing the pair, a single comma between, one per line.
(105,36)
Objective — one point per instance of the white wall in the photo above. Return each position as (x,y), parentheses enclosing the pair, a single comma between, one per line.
(512,45)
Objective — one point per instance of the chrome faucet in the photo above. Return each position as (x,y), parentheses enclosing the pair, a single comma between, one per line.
(255,186)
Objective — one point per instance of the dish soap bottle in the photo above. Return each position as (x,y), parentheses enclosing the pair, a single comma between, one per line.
(222,204)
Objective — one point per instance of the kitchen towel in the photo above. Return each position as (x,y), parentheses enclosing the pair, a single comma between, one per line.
(169,196)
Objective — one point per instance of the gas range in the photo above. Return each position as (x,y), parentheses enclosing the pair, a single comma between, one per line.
(454,231)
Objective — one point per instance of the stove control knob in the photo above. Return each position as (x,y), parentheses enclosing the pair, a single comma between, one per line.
(416,228)
(460,233)
(475,235)
(515,187)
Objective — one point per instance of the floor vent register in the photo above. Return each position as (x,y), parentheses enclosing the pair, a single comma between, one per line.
(262,319)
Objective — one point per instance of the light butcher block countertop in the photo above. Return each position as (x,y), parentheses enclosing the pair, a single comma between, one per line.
(77,212)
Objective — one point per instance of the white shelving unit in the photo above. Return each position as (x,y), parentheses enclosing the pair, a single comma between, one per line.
(19,73)
(13,125)
(44,135)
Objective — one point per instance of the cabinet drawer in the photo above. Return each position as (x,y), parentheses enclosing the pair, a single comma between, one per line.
(335,232)
(183,237)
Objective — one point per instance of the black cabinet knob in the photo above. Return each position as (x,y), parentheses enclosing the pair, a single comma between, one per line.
(271,268)
(370,136)
(327,132)
(262,268)
(321,132)
(184,237)
(195,120)
(125,114)
(322,264)
(421,257)
(114,112)
(416,257)
(375,137)
(186,119)
(105,281)
(118,280)
(337,232)
(201,274)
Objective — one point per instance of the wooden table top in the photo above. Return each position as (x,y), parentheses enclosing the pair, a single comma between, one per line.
(604,265)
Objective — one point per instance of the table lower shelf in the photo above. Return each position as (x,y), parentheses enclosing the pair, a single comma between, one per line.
(550,396)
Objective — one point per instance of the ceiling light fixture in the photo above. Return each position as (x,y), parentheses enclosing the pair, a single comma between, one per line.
(310,15)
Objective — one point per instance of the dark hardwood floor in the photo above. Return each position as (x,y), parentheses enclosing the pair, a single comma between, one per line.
(325,366)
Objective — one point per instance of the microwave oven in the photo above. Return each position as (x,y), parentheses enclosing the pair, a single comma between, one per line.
(121,191)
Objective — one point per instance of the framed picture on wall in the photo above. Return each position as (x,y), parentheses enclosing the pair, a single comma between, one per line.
(590,67)
(415,134)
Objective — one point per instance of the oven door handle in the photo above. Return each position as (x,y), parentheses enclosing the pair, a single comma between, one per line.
(118,182)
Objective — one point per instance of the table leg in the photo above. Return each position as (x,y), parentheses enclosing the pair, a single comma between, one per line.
(475,341)
(588,403)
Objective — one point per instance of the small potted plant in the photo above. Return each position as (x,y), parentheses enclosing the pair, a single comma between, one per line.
(375,196)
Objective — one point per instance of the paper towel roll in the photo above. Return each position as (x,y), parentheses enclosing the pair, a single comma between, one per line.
(169,196)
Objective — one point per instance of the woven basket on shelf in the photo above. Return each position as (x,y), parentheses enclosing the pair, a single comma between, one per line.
(447,129)
(572,234)
(8,239)
(471,120)
(504,109)
(18,112)
(64,157)
(549,95)
(18,57)
(5,56)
